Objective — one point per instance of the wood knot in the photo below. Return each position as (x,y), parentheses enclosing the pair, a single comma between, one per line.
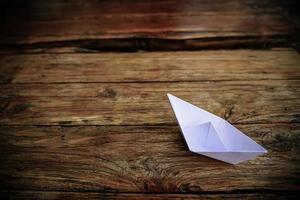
(108,92)
(9,108)
(188,187)
(228,112)
(282,142)
(20,108)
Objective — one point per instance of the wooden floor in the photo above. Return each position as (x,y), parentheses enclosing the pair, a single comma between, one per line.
(83,106)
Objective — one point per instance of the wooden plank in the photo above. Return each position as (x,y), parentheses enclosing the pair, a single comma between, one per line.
(141,159)
(178,20)
(124,196)
(144,25)
(146,103)
(72,10)
(151,67)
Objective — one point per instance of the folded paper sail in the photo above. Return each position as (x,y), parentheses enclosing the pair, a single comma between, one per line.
(212,136)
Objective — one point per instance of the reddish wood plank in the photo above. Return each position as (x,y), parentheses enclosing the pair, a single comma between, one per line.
(170,27)
(72,10)
(60,22)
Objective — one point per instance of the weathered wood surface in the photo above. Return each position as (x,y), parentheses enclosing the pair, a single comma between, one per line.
(79,124)
(136,103)
(281,64)
(140,159)
(142,24)
(258,99)
(73,10)
(100,125)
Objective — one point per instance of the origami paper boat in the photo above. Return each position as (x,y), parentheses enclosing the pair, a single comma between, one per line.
(212,136)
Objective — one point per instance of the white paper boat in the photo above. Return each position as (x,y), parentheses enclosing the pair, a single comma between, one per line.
(212,136)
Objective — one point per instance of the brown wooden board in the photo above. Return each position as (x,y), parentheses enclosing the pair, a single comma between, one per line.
(100,125)
(141,159)
(266,96)
(76,123)
(142,24)
(281,64)
(147,103)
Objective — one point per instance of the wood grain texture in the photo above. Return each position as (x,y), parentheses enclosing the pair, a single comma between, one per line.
(99,125)
(72,10)
(79,124)
(281,64)
(147,103)
(140,159)
(60,23)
